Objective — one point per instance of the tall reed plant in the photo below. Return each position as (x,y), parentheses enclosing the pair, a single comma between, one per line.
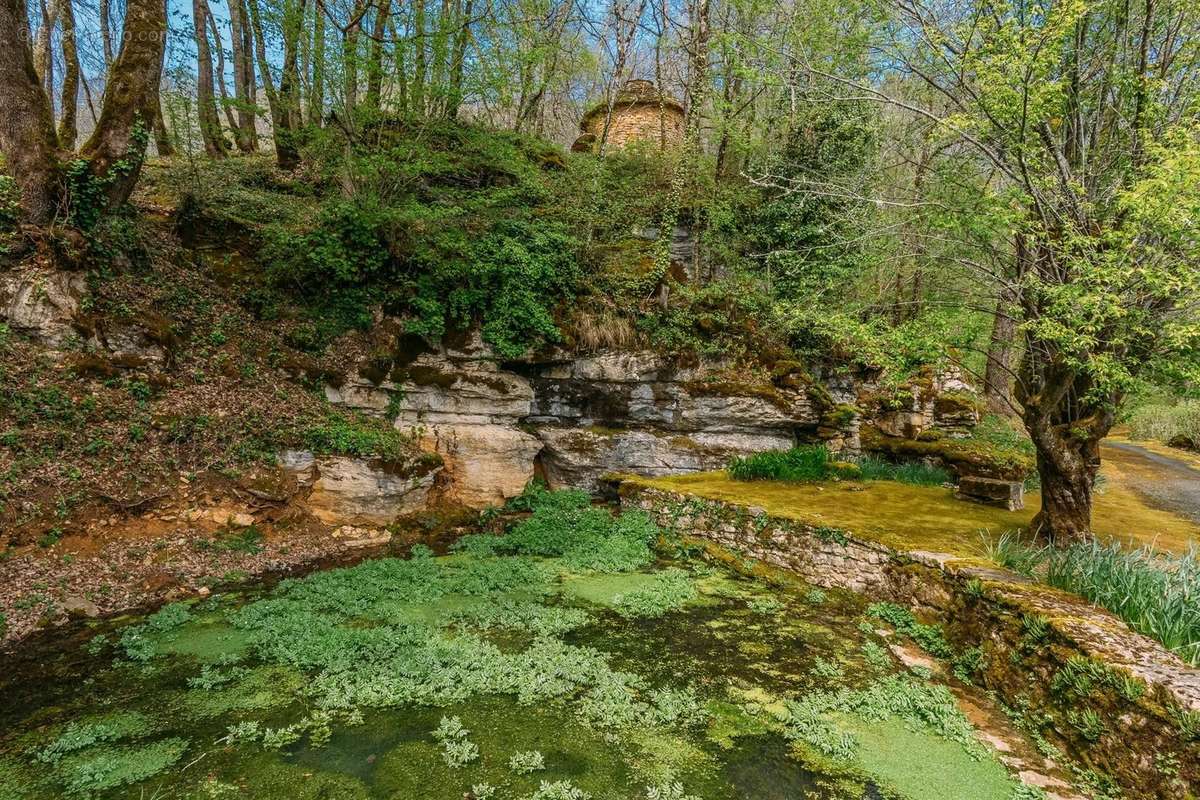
(1155,593)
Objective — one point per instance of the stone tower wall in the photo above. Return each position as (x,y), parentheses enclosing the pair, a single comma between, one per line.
(641,122)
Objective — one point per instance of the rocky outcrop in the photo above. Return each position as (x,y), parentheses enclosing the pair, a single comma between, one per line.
(466,409)
(582,456)
(342,490)
(47,305)
(638,412)
(42,303)
(576,418)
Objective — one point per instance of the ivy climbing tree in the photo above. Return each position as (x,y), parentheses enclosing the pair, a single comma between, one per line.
(57,186)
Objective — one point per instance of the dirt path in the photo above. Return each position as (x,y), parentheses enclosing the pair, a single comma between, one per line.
(1160,479)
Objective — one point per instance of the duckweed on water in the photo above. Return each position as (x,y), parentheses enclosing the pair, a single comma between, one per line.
(557,663)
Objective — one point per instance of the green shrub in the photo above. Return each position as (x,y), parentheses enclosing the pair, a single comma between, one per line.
(357,436)
(1166,423)
(929,637)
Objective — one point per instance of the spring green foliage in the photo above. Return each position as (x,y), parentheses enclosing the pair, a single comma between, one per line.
(1154,592)
(1167,423)
(107,767)
(931,707)
(457,750)
(85,733)
(353,436)
(526,762)
(565,524)
(669,590)
(929,637)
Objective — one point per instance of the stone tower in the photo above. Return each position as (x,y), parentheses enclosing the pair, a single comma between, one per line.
(640,113)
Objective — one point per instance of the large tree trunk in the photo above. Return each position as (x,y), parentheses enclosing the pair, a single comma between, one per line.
(1066,513)
(27,136)
(245,134)
(1066,428)
(117,147)
(206,105)
(67,128)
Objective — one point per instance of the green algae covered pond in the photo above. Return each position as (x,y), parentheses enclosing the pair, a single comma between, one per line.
(566,660)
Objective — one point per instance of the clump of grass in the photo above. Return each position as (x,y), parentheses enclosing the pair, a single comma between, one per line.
(916,473)
(803,463)
(1155,593)
(810,463)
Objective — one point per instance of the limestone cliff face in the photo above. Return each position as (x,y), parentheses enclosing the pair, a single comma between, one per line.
(575,418)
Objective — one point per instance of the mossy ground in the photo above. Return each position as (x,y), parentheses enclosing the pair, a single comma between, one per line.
(907,517)
(331,686)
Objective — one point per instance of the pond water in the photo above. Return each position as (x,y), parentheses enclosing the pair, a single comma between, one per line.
(563,665)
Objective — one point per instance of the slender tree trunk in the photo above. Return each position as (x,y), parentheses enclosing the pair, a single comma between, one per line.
(998,375)
(225,105)
(375,64)
(243,77)
(117,147)
(458,65)
(206,105)
(162,137)
(440,65)
(420,65)
(106,32)
(43,55)
(67,127)
(350,61)
(316,97)
(286,154)
(289,78)
(27,136)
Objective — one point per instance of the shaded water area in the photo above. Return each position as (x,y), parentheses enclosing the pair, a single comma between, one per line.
(562,671)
